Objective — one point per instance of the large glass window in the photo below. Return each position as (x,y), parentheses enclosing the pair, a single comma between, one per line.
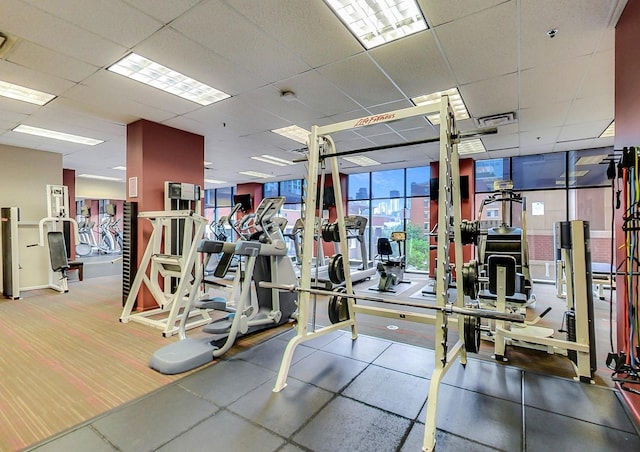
(387,184)
(270,189)
(588,168)
(358,185)
(595,206)
(488,171)
(417,228)
(292,191)
(418,181)
(539,171)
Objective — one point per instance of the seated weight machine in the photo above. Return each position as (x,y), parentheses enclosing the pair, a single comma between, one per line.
(343,306)
(391,269)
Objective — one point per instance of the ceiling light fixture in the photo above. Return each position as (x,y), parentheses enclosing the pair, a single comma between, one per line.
(95,176)
(376,22)
(24,94)
(294,133)
(214,181)
(120,168)
(272,160)
(56,135)
(457,104)
(361,160)
(474,146)
(208,163)
(256,174)
(153,74)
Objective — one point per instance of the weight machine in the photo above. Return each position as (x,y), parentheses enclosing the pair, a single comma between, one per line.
(391,270)
(343,302)
(171,254)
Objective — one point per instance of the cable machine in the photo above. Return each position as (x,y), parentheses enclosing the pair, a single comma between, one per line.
(343,306)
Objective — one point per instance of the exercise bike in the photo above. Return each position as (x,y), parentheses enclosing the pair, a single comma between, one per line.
(391,269)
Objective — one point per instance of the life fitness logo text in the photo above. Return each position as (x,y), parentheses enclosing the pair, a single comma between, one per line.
(373,119)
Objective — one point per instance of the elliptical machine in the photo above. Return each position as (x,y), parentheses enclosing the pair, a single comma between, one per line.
(265,259)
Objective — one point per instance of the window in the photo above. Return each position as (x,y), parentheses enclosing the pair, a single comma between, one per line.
(418,181)
(539,171)
(588,168)
(387,184)
(488,171)
(358,185)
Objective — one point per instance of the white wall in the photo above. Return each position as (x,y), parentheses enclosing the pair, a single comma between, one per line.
(24,176)
(99,189)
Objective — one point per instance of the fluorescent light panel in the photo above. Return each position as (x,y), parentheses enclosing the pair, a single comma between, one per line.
(95,176)
(609,131)
(273,160)
(361,160)
(56,135)
(208,163)
(153,74)
(24,94)
(120,168)
(474,146)
(457,104)
(256,174)
(375,22)
(294,133)
(574,174)
(214,181)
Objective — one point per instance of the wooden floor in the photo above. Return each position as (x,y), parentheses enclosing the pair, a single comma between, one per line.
(65,358)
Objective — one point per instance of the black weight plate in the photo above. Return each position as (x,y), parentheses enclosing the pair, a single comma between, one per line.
(471,334)
(336,269)
(338,309)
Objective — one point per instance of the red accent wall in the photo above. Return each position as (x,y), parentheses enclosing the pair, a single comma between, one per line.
(253,189)
(627,114)
(157,153)
(69,180)
(466,210)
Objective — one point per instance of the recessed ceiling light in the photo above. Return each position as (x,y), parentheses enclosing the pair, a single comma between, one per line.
(361,160)
(273,160)
(120,168)
(214,181)
(474,146)
(609,131)
(457,104)
(153,74)
(375,22)
(24,94)
(56,135)
(256,174)
(95,176)
(208,163)
(294,133)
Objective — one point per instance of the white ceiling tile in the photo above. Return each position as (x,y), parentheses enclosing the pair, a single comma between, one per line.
(500,154)
(19,108)
(573,145)
(580,27)
(583,130)
(542,137)
(163,11)
(438,13)
(113,20)
(482,45)
(548,115)
(347,75)
(501,141)
(220,28)
(269,99)
(593,108)
(542,85)
(31,78)
(27,22)
(42,59)
(402,60)
(602,142)
(492,96)
(307,24)
(599,79)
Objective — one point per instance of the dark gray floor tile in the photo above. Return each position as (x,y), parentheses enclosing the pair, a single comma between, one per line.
(549,431)
(82,439)
(408,359)
(487,420)
(347,425)
(329,371)
(364,348)
(320,341)
(291,448)
(225,432)
(154,420)
(269,354)
(579,400)
(400,393)
(487,378)
(444,442)
(283,412)
(226,381)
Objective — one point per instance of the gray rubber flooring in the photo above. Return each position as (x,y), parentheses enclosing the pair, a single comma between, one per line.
(363,395)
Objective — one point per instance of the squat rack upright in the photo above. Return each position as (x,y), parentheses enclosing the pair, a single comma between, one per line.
(322,147)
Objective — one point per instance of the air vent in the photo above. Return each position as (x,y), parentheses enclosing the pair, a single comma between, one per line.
(501,119)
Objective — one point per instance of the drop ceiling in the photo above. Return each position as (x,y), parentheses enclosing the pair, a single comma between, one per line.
(496,52)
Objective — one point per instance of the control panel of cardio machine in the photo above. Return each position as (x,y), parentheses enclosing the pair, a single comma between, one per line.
(268,208)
